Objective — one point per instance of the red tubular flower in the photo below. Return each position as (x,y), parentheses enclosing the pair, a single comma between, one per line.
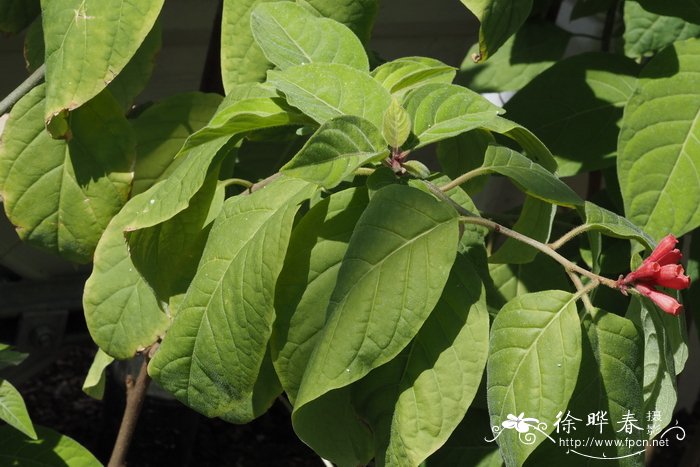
(659,269)
(665,246)
(671,276)
(667,303)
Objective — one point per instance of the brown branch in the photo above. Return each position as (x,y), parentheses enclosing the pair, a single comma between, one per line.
(135,397)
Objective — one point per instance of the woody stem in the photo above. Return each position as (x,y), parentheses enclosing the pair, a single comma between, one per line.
(546,249)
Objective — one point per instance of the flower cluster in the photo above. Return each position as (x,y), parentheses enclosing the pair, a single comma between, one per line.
(661,269)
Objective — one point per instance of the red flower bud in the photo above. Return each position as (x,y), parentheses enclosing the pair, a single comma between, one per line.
(667,303)
(665,246)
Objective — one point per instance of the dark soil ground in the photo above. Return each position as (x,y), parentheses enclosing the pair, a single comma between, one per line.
(168,433)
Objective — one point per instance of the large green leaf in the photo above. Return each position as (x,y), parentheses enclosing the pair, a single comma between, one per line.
(61,196)
(609,385)
(499,20)
(598,85)
(327,90)
(646,33)
(166,255)
(396,265)
(439,111)
(161,131)
(404,74)
(534,358)
(340,146)
(466,446)
(88,43)
(529,176)
(211,357)
(463,153)
(245,115)
(659,145)
(289,35)
(513,280)
(16,14)
(443,370)
(13,411)
(689,10)
(532,147)
(659,383)
(121,310)
(242,60)
(137,72)
(533,49)
(613,225)
(358,15)
(316,249)
(535,221)
(50,449)
(242,111)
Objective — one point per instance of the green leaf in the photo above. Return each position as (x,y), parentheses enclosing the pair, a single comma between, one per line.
(289,35)
(316,249)
(440,111)
(598,86)
(397,125)
(463,153)
(688,10)
(245,115)
(88,43)
(358,15)
(128,83)
(535,221)
(59,195)
(242,60)
(404,74)
(9,357)
(338,147)
(213,352)
(659,383)
(34,45)
(15,15)
(166,255)
(646,33)
(135,75)
(466,446)
(609,382)
(600,219)
(94,384)
(534,358)
(121,310)
(396,265)
(658,149)
(533,49)
(499,20)
(237,114)
(513,280)
(532,146)
(327,90)
(51,448)
(444,368)
(529,176)
(161,131)
(13,411)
